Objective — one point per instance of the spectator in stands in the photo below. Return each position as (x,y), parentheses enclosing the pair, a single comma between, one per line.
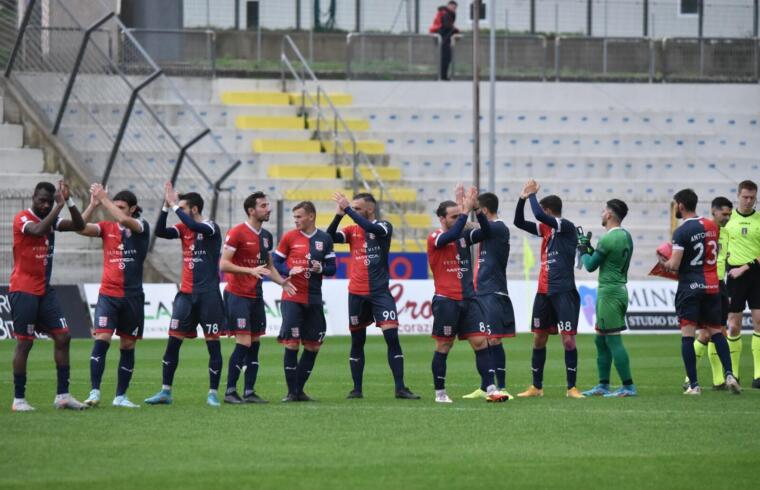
(443,25)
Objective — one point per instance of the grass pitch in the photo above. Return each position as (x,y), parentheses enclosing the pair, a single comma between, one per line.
(661,439)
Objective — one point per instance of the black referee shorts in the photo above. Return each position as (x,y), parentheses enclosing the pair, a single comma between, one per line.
(744,291)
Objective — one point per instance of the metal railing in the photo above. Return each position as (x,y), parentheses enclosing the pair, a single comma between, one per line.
(107,116)
(179,52)
(396,54)
(344,143)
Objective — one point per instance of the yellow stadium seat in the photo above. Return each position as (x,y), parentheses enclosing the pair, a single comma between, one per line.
(286,146)
(310,194)
(255,98)
(385,173)
(269,122)
(369,147)
(398,194)
(327,125)
(301,172)
(413,220)
(338,99)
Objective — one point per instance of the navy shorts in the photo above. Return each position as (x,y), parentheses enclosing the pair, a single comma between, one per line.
(190,310)
(245,316)
(125,316)
(378,308)
(500,316)
(302,323)
(32,313)
(556,313)
(452,318)
(696,308)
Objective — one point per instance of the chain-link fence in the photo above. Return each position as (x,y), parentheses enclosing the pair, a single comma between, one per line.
(179,52)
(596,18)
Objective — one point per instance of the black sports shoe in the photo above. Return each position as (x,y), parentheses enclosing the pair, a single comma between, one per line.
(233,398)
(290,398)
(355,394)
(756,383)
(303,397)
(406,394)
(254,398)
(720,387)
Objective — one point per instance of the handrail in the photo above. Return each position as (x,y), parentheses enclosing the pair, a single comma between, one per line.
(355,154)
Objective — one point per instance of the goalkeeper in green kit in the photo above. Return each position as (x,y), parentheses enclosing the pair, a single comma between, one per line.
(612,257)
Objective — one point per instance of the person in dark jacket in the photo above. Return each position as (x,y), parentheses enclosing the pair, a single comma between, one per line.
(443,25)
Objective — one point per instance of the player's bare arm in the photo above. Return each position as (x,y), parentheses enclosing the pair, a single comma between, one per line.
(76,223)
(123,218)
(275,276)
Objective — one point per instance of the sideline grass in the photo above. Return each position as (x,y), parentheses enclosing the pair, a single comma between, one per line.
(660,439)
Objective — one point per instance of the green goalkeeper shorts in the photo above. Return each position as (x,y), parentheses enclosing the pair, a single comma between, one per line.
(611,305)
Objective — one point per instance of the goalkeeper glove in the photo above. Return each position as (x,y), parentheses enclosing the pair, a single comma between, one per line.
(584,244)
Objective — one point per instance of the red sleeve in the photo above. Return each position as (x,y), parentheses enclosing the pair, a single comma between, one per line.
(18,223)
(284,246)
(431,241)
(232,240)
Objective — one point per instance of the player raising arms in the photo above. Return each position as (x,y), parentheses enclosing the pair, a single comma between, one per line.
(695,257)
(557,304)
(612,257)
(491,286)
(34,304)
(198,299)
(305,255)
(456,309)
(121,301)
(369,296)
(246,260)
(743,281)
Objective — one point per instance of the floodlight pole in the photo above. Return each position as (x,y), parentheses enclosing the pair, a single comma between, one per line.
(492,105)
(475,94)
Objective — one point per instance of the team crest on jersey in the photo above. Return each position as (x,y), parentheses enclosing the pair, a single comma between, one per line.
(241,323)
(371,236)
(745,230)
(266,242)
(120,246)
(296,332)
(127,232)
(24,219)
(319,245)
(462,243)
(102,321)
(199,236)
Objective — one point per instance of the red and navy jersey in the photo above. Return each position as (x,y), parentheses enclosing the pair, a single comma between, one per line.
(298,250)
(698,238)
(200,258)
(368,269)
(32,256)
(251,248)
(493,259)
(124,253)
(452,266)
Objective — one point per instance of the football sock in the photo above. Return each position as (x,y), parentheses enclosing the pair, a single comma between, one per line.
(235,366)
(214,363)
(699,349)
(571,367)
(537,362)
(19,385)
(439,370)
(755,355)
(305,365)
(620,356)
(356,358)
(63,379)
(715,364)
(126,367)
(252,369)
(395,356)
(603,359)
(724,353)
(735,346)
(171,360)
(290,361)
(98,362)
(484,364)
(689,359)
(500,363)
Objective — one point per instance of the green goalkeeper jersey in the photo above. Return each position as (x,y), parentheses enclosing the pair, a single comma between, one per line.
(617,248)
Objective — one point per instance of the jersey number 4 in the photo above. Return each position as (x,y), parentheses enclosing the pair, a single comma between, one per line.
(712,253)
